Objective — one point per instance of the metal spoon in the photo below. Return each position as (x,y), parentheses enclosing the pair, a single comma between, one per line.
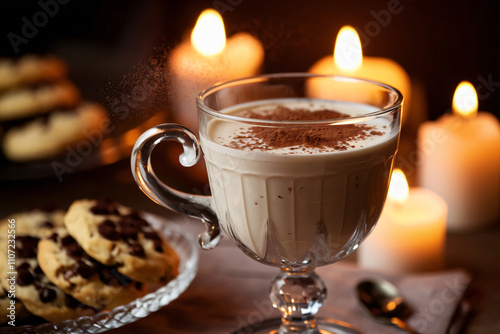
(383,302)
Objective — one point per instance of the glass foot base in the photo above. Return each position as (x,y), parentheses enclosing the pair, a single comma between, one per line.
(325,326)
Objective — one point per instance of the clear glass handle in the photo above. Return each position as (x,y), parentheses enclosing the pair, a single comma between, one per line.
(193,205)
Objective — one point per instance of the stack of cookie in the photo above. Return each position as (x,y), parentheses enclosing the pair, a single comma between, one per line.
(41,111)
(96,256)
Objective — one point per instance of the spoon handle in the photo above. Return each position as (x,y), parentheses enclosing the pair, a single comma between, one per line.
(401,324)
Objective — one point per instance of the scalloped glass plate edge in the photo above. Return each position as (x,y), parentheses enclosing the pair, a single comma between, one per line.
(185,245)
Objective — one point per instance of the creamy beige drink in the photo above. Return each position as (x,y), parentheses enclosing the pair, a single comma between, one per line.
(292,196)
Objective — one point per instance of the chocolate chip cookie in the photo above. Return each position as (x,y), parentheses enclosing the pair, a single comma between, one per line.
(36,222)
(68,266)
(118,236)
(47,136)
(40,296)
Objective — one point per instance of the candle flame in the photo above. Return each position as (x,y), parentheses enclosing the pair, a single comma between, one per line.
(398,188)
(209,36)
(465,100)
(348,55)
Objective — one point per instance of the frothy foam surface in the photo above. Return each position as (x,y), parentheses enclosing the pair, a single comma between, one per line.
(299,139)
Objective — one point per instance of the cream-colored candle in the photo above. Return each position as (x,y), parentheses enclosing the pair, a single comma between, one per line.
(460,161)
(348,60)
(205,59)
(410,234)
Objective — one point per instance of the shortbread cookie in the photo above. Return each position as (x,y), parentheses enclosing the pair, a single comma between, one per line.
(67,265)
(117,236)
(30,69)
(49,135)
(32,287)
(39,99)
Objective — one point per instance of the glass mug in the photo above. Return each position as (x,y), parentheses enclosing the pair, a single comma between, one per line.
(293,192)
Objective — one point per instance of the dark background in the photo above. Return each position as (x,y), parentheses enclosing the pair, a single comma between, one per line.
(439,43)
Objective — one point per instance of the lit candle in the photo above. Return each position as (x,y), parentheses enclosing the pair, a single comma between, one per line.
(410,234)
(460,161)
(205,59)
(348,60)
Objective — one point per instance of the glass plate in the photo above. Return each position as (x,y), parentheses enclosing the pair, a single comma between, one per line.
(186,248)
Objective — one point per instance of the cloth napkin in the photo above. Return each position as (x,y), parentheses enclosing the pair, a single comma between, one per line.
(435,298)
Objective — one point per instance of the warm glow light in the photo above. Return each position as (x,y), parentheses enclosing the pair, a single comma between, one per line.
(465,100)
(348,55)
(398,188)
(390,306)
(208,36)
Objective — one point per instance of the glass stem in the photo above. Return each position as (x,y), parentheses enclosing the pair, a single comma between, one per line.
(298,294)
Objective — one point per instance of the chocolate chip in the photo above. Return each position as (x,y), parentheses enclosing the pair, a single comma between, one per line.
(138,286)
(47,294)
(71,247)
(53,237)
(74,251)
(107,277)
(83,269)
(24,276)
(134,219)
(68,240)
(38,270)
(137,250)
(105,207)
(47,224)
(108,230)
(72,302)
(27,246)
(27,253)
(24,265)
(151,235)
(128,233)
(158,245)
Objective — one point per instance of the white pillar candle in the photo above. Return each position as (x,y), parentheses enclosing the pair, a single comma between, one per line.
(205,59)
(348,60)
(410,234)
(460,161)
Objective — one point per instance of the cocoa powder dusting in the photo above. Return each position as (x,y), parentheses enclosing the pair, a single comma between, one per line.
(336,138)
